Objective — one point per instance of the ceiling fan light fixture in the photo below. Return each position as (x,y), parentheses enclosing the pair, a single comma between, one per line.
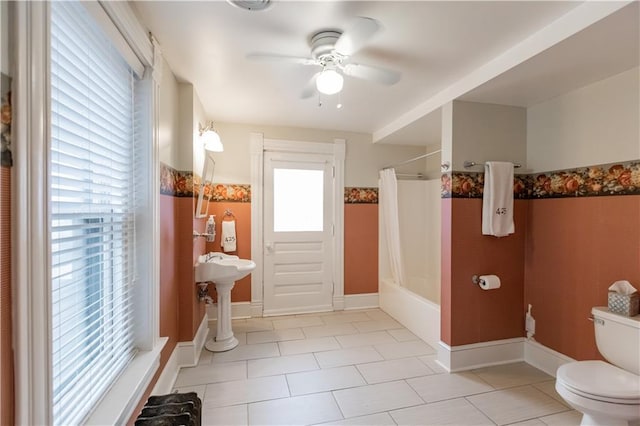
(329,82)
(252,5)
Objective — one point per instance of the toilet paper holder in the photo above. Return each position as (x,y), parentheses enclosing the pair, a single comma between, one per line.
(477,280)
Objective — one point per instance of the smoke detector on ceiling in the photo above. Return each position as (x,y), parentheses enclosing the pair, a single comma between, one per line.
(252,5)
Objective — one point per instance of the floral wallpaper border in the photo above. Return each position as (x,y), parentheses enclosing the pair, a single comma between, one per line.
(6,157)
(179,183)
(355,195)
(591,181)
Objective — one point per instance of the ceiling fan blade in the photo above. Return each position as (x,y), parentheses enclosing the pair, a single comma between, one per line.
(355,37)
(269,57)
(310,88)
(367,72)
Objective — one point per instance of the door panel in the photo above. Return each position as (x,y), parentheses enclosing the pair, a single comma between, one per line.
(298,223)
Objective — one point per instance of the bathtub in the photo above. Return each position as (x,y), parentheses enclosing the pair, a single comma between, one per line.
(419,315)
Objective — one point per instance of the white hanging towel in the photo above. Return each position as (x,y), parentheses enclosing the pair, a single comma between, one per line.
(228,235)
(497,200)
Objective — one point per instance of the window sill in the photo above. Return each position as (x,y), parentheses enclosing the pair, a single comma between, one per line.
(119,402)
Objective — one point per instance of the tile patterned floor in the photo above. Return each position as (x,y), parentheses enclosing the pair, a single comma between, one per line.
(359,368)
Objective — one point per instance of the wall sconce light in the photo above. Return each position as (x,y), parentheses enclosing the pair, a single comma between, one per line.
(210,138)
(329,81)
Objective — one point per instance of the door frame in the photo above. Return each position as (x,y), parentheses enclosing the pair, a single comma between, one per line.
(258,145)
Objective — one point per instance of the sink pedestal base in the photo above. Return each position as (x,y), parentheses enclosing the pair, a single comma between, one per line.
(224,339)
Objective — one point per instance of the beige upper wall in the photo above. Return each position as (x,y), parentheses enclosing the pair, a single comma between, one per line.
(484,132)
(169,111)
(596,124)
(4,37)
(362,163)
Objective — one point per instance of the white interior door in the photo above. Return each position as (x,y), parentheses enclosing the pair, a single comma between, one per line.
(298,232)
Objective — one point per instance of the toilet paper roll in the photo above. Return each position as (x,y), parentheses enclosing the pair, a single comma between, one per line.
(489,282)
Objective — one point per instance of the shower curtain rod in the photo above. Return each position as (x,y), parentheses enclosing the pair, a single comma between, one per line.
(411,160)
(411,176)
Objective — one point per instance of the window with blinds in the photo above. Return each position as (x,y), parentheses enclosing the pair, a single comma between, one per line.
(92,211)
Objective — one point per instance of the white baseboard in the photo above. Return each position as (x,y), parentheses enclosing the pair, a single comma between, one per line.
(484,354)
(544,358)
(238,310)
(185,354)
(361,301)
(338,303)
(256,309)
(419,315)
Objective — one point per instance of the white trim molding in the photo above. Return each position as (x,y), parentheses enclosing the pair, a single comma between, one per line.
(31,338)
(185,354)
(544,358)
(257,177)
(483,354)
(361,301)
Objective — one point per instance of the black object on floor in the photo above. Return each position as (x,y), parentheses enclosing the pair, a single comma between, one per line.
(176,409)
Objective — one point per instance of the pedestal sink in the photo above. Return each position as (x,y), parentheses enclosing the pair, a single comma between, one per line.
(223,270)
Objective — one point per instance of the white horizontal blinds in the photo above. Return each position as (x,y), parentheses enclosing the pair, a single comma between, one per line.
(92,212)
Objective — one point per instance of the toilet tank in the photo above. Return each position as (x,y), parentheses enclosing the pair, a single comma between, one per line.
(618,338)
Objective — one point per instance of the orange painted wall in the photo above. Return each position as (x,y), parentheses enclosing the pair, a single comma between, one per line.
(360,248)
(168,278)
(6,352)
(468,313)
(242,214)
(576,248)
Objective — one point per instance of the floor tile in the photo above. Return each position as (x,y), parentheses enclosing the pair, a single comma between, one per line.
(402,335)
(567,418)
(274,336)
(351,356)
(376,325)
(205,357)
(431,362)
(380,419)
(511,375)
(365,339)
(251,324)
(550,389)
(324,380)
(377,314)
(439,387)
(335,329)
(281,365)
(451,412)
(404,349)
(245,391)
(308,409)
(211,373)
(387,371)
(235,415)
(295,322)
(346,317)
(516,404)
(376,398)
(239,353)
(306,368)
(308,345)
(532,422)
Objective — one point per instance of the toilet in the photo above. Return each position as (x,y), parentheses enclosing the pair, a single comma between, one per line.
(606,394)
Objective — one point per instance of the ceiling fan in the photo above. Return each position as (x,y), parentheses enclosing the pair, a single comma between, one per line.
(332,50)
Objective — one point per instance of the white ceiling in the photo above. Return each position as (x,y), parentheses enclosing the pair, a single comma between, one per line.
(433,44)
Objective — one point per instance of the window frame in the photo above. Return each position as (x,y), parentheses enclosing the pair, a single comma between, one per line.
(32,339)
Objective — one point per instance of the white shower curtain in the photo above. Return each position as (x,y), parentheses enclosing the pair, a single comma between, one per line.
(389,211)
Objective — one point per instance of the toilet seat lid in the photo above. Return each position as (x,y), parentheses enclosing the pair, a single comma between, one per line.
(600,379)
